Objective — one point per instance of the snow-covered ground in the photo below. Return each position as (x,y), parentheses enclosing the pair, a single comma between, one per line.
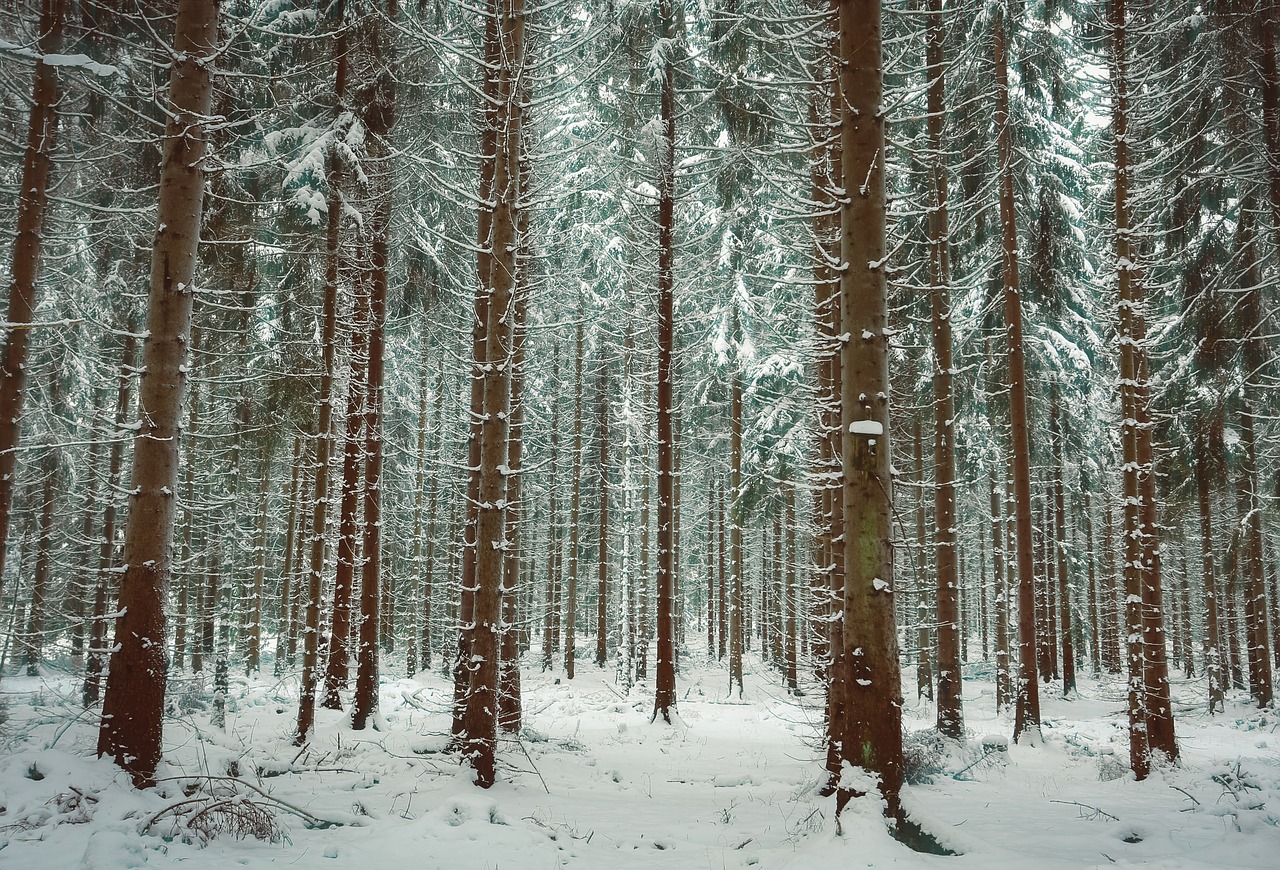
(594,784)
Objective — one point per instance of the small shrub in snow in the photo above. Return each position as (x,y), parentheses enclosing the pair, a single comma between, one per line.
(1111,767)
(924,756)
(214,809)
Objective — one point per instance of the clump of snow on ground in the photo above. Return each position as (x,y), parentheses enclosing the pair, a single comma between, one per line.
(593,783)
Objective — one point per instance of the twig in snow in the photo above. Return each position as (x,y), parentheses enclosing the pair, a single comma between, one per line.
(1095,810)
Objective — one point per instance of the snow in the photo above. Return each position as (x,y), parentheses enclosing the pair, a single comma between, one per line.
(593,783)
(871,428)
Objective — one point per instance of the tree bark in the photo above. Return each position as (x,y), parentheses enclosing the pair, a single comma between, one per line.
(1058,435)
(133,706)
(602,587)
(664,701)
(950,704)
(737,600)
(575,506)
(324,425)
(481,703)
(339,663)
(1027,694)
(871,727)
(33,206)
(378,94)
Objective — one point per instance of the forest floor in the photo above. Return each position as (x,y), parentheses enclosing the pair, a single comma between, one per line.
(592,783)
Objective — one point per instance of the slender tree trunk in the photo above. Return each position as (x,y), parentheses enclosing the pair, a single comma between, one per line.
(33,206)
(924,644)
(602,588)
(575,506)
(722,572)
(284,622)
(1095,600)
(378,45)
(737,601)
(339,664)
(665,687)
(1058,436)
(324,425)
(36,616)
(253,650)
(104,587)
(133,705)
(1255,598)
(489,135)
(79,589)
(419,645)
(509,702)
(550,634)
(789,651)
(1027,694)
(950,705)
(1004,688)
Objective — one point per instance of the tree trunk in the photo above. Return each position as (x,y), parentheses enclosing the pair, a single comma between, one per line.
(575,506)
(737,601)
(284,621)
(40,578)
(1255,598)
(665,686)
(324,425)
(1057,434)
(378,94)
(602,588)
(789,599)
(1004,688)
(339,664)
(950,705)
(253,650)
(1027,696)
(133,706)
(871,727)
(480,716)
(924,644)
(1095,600)
(33,205)
(550,620)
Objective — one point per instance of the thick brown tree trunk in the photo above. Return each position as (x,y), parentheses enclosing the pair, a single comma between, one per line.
(33,206)
(1150,711)
(481,703)
(133,705)
(870,729)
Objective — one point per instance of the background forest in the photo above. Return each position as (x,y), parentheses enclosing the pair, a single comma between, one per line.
(531,344)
